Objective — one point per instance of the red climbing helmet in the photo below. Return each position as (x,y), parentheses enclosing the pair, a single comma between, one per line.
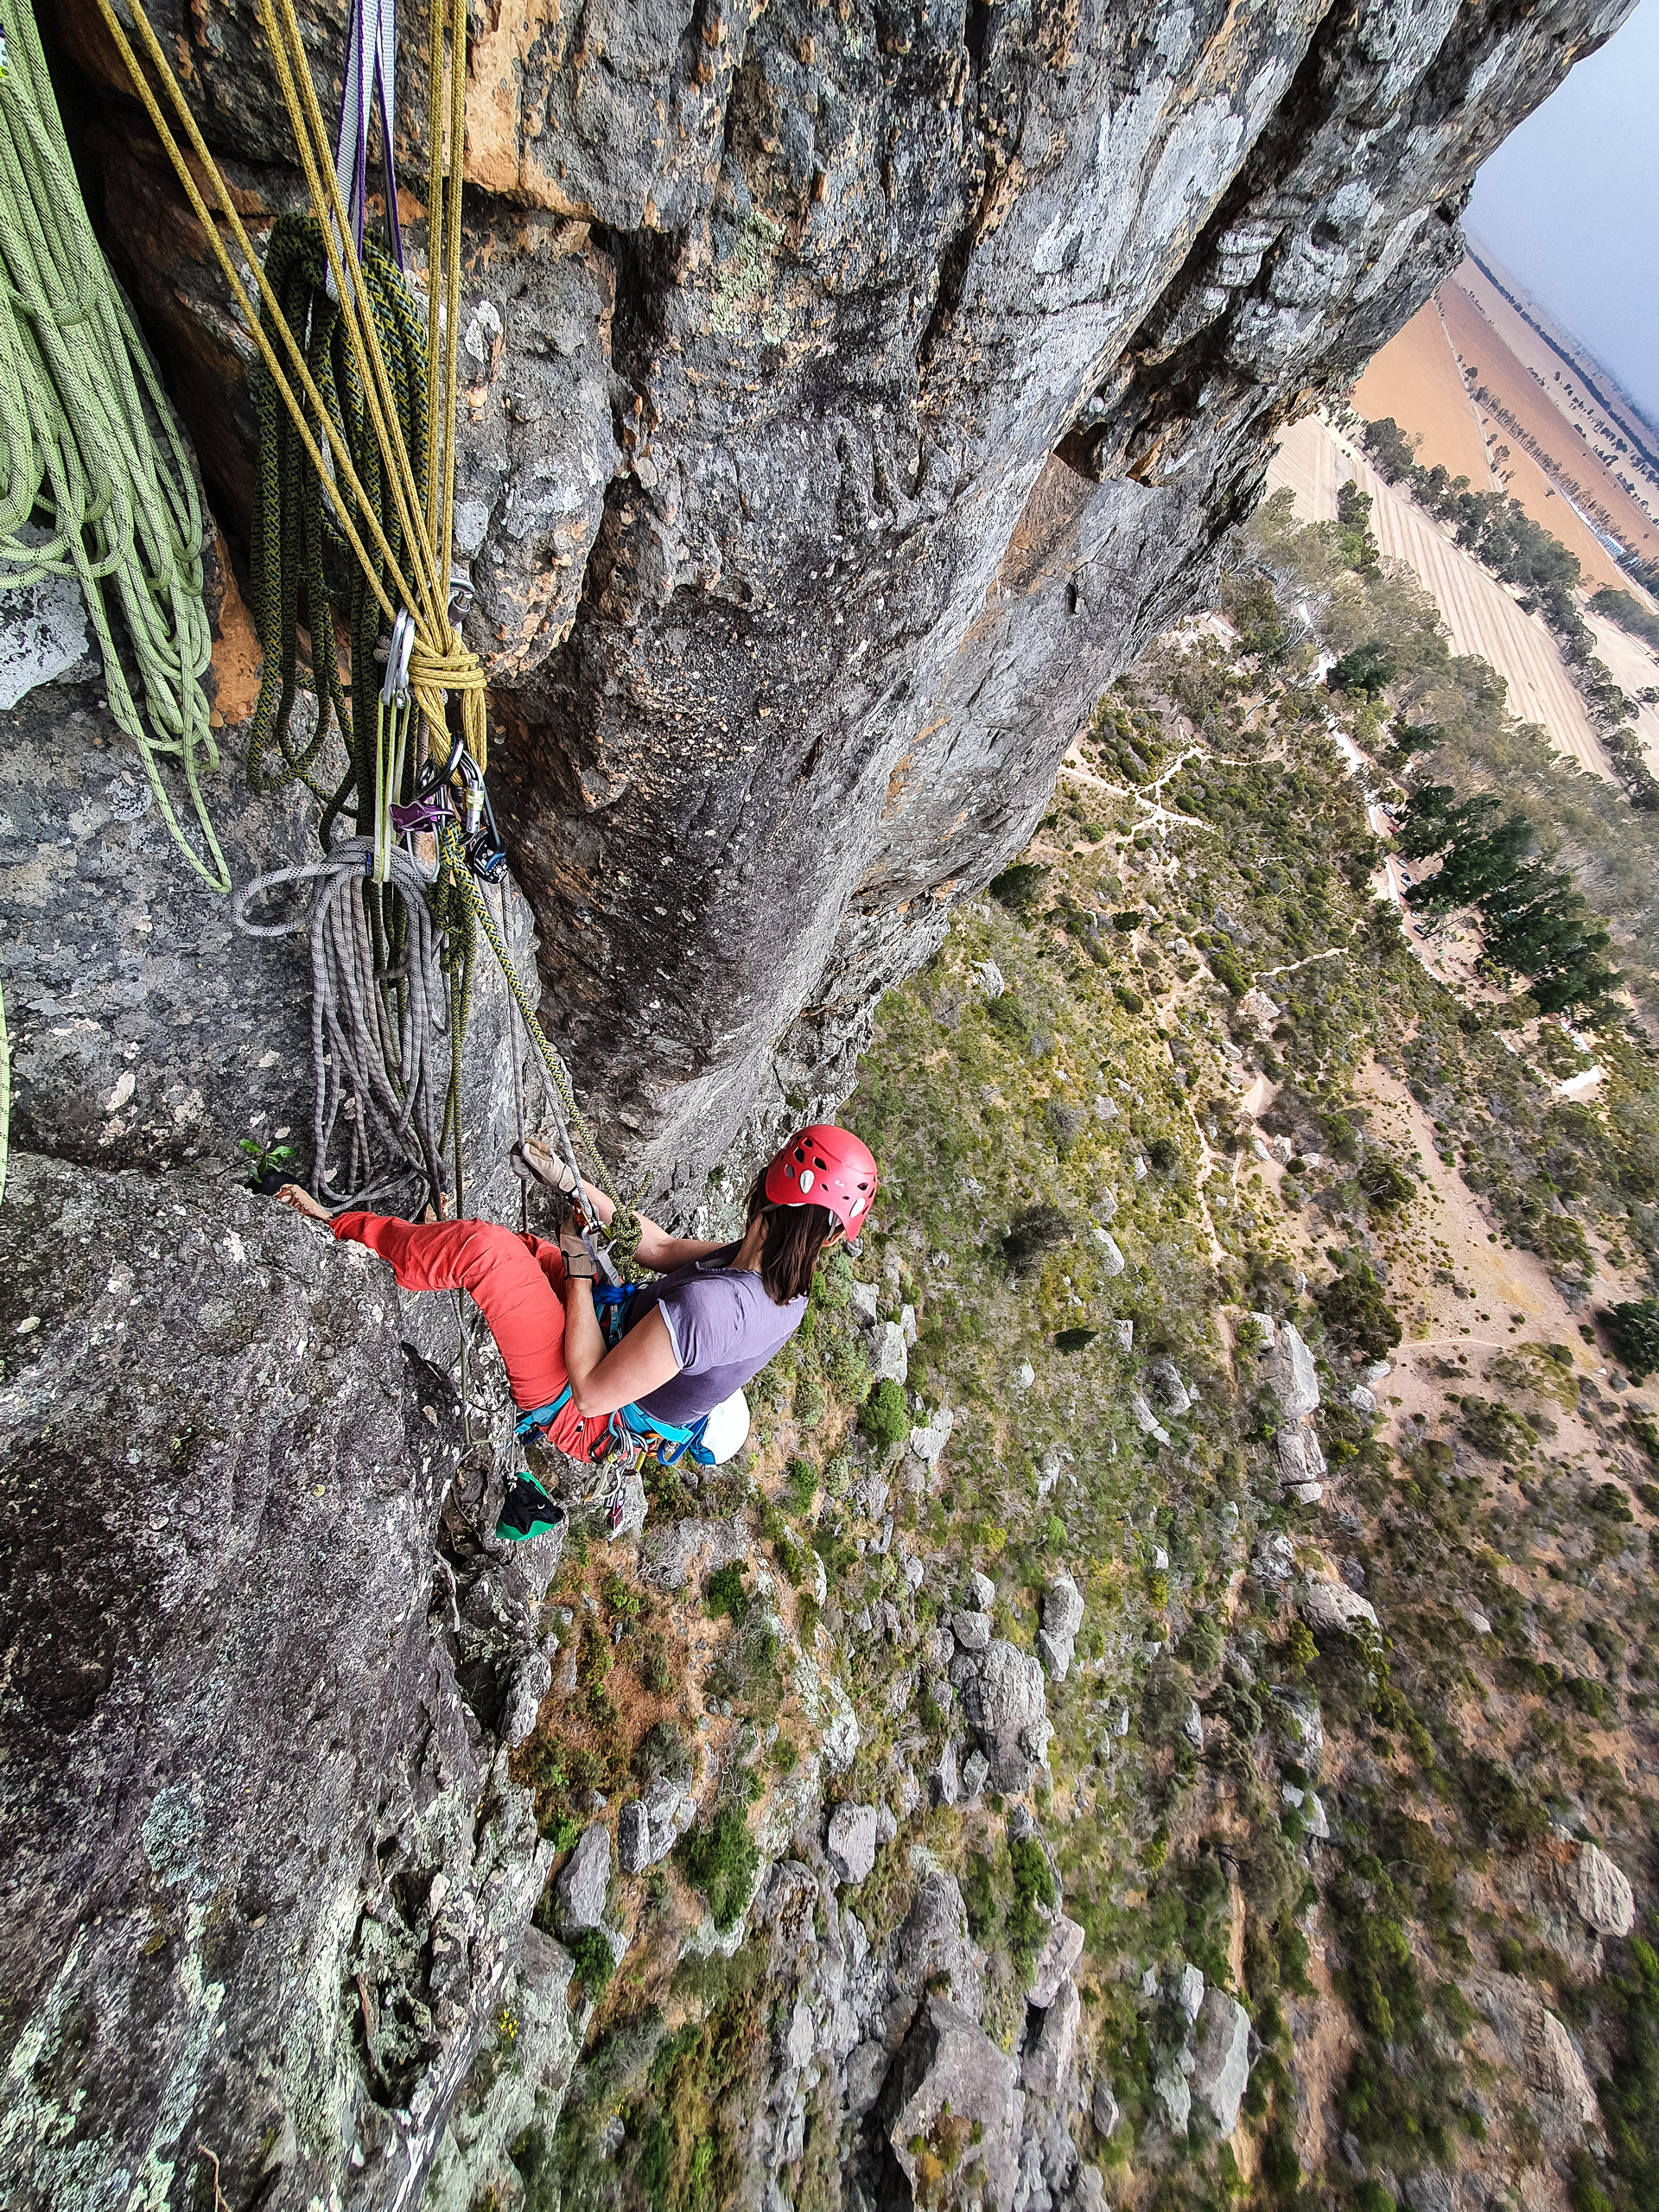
(822,1166)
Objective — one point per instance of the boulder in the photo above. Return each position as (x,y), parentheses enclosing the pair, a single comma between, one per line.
(1306,1493)
(979,1593)
(1057,1957)
(1269,1329)
(1009,1712)
(669,1812)
(1554,2069)
(1173,1393)
(1604,1899)
(1296,1450)
(1108,1255)
(1055,1655)
(580,1891)
(889,1360)
(851,1842)
(929,1439)
(1221,2057)
(1103,2107)
(1174,2098)
(862,1300)
(633,1837)
(1189,1991)
(964,2111)
(1363,1401)
(976,1773)
(1062,1607)
(944,1783)
(934,1950)
(1291,1374)
(1146,1420)
(1334,1606)
(1048,2060)
(1319,1826)
(972,1631)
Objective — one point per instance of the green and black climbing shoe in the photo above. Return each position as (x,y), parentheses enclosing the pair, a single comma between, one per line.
(527,1511)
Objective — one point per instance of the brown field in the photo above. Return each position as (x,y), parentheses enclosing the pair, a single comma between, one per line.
(1415,378)
(1480,615)
(1481,324)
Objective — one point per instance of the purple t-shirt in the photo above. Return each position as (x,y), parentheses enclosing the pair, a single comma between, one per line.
(723,1327)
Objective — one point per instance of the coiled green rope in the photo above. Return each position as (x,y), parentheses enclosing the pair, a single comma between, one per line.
(93,466)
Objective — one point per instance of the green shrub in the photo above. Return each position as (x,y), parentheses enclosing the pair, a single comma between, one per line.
(1386,1187)
(1633,1325)
(1074,1339)
(1129,1000)
(1019,887)
(1201,1645)
(594,1960)
(883,1417)
(721,1861)
(1039,1231)
(812,1401)
(652,1667)
(1033,1886)
(832,1280)
(846,1367)
(1356,1312)
(724,1596)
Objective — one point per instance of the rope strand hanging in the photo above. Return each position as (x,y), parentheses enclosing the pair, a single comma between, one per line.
(97,483)
(353,425)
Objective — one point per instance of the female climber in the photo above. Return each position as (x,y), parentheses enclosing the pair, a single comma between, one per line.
(669,1369)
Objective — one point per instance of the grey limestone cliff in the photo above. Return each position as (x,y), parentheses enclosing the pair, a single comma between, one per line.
(848,395)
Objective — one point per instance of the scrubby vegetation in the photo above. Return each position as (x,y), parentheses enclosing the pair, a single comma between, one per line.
(1179,1079)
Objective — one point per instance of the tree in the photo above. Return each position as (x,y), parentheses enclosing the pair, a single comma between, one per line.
(1367,671)
(1356,1313)
(1355,543)
(1634,1326)
(1393,454)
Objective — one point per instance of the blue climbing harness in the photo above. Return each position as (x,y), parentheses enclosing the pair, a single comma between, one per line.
(630,1430)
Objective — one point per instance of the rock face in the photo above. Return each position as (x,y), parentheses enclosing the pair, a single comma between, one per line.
(966,2102)
(851,1844)
(1221,2054)
(1009,1711)
(253,1776)
(841,412)
(1601,1892)
(579,1892)
(1290,1370)
(1055,1961)
(1334,1606)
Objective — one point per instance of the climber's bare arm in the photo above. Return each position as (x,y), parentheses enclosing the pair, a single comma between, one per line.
(602,1381)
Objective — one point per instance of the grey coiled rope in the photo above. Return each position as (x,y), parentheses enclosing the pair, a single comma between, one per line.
(357,1038)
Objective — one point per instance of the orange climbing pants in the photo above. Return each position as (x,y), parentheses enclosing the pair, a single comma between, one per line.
(516,1283)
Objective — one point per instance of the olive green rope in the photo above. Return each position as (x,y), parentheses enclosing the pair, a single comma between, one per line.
(624,1230)
(96,481)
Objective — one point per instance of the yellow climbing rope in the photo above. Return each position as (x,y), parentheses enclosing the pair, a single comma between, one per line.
(441,663)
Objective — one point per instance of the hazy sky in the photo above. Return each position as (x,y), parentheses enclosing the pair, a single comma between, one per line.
(1568,203)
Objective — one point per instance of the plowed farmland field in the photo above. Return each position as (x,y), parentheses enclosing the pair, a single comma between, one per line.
(1480,615)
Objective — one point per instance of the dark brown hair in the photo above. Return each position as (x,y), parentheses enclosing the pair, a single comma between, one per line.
(795,1236)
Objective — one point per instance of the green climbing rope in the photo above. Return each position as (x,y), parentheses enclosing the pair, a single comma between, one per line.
(96,481)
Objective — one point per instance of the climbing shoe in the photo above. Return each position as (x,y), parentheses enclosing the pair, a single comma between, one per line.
(527,1511)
